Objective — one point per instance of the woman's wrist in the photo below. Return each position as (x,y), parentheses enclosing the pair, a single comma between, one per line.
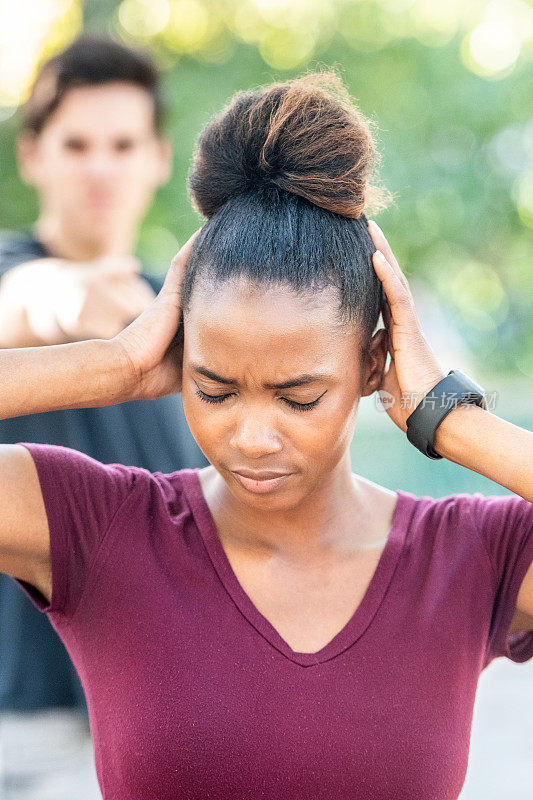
(109,376)
(85,374)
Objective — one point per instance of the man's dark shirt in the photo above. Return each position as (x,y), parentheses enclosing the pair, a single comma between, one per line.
(35,669)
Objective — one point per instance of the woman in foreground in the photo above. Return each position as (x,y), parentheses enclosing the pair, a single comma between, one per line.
(272,626)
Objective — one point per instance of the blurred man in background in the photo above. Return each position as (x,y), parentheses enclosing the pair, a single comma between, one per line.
(92,146)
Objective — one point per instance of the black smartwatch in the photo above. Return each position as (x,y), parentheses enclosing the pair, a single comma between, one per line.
(446,395)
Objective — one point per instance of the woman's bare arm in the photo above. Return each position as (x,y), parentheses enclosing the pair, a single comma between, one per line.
(485,443)
(77,375)
(24,537)
(468,435)
(142,362)
(40,379)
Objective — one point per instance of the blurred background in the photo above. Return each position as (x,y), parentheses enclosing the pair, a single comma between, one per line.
(449,87)
(447,83)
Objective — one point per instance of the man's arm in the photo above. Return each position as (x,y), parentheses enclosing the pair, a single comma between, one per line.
(15,327)
(53,301)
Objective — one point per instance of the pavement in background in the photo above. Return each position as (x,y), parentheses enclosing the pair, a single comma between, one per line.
(501,748)
(46,756)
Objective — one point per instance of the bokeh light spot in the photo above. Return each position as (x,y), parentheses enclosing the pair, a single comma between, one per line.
(478,292)
(522,193)
(435,22)
(493,48)
(144,18)
(286,49)
(30,31)
(189,26)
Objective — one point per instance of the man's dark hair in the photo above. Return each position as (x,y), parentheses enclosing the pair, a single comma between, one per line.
(89,61)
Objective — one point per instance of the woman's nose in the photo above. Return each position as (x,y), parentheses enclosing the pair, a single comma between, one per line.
(255,437)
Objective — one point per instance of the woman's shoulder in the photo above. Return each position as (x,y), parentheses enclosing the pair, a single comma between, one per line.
(64,472)
(477,506)
(182,485)
(489,515)
(494,523)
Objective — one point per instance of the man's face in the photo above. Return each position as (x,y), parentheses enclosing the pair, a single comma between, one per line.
(98,160)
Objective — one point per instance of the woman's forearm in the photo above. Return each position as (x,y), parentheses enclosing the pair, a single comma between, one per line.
(480,441)
(79,375)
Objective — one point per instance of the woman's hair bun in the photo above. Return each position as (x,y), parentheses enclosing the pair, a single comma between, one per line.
(303,136)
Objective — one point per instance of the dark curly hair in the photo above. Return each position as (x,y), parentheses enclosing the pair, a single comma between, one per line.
(282,175)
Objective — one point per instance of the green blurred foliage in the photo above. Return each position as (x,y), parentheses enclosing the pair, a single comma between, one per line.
(456,146)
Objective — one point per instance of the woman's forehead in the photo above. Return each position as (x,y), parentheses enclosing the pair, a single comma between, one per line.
(238,299)
(236,324)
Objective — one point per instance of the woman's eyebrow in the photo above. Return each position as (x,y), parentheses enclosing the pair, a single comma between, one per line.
(300,380)
(212,375)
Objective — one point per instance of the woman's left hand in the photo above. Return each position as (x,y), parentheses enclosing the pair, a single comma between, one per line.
(414,369)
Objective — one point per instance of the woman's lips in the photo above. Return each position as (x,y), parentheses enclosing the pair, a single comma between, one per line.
(261,482)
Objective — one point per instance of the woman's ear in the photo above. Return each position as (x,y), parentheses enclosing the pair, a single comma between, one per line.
(375,359)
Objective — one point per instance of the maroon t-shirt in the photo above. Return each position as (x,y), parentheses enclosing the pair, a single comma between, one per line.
(193,694)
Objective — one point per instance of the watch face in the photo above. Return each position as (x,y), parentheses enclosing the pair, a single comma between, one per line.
(476,393)
(425,419)
(468,383)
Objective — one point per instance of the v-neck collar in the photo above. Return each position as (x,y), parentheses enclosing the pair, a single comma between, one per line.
(363,614)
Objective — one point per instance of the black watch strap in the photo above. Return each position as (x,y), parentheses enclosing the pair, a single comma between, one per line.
(446,395)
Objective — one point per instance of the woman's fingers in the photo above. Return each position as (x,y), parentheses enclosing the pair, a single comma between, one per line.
(398,303)
(401,305)
(387,321)
(385,310)
(379,239)
(414,368)
(381,243)
(176,272)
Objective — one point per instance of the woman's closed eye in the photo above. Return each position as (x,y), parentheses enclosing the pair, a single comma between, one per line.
(219,398)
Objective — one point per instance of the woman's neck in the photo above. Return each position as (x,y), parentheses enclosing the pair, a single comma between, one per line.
(324,522)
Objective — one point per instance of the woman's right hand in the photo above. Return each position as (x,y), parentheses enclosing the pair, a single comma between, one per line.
(152,345)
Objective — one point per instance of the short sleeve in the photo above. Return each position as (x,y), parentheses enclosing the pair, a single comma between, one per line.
(81,498)
(16,248)
(505,524)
